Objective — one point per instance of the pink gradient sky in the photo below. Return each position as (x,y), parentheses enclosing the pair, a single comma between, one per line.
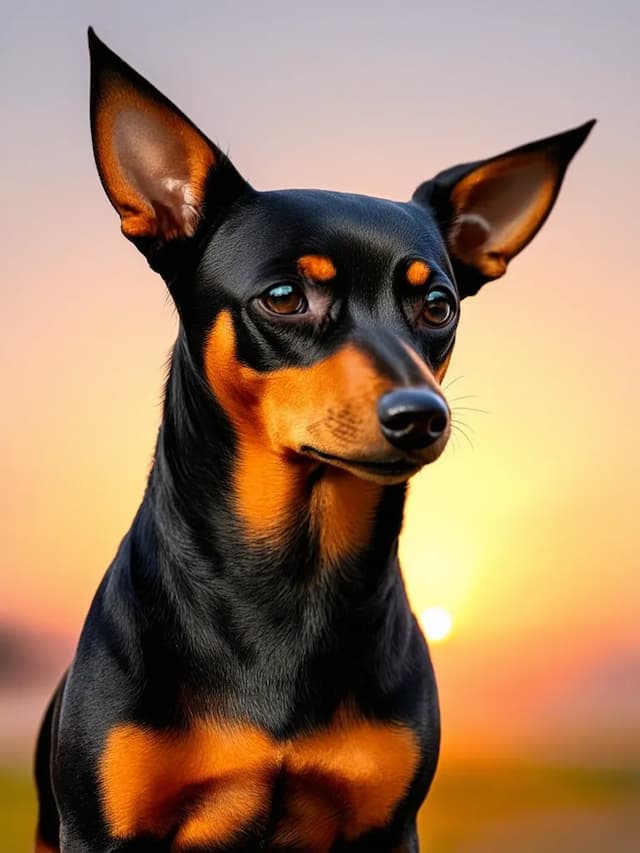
(530,538)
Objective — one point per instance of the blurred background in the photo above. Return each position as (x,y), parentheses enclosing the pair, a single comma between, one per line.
(521,544)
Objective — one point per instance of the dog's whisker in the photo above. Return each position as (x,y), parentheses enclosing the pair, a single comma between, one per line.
(452,382)
(458,429)
(462,425)
(459,434)
(469,409)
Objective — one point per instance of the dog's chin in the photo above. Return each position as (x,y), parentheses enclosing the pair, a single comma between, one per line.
(384,471)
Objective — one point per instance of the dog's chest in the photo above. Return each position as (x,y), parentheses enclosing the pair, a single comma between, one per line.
(207,787)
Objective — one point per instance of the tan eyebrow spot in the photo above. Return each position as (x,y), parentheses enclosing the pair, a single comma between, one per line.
(417,273)
(317,267)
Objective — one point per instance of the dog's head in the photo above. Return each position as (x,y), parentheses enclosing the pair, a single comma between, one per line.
(322,322)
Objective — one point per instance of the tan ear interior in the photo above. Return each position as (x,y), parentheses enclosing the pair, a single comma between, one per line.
(153,162)
(499,207)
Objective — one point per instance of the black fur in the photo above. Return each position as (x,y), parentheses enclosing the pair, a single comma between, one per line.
(193,616)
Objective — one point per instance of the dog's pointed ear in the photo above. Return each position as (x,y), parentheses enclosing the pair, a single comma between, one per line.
(490,210)
(159,171)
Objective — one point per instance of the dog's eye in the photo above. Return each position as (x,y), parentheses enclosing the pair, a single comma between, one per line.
(284,299)
(438,308)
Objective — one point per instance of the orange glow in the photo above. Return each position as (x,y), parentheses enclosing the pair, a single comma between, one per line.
(436,623)
(529,539)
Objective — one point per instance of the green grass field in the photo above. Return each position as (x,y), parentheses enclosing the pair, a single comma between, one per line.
(501,809)
(17,812)
(532,810)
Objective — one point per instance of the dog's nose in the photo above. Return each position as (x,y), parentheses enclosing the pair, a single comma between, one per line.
(412,418)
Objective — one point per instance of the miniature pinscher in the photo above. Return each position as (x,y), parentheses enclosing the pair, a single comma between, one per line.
(250,675)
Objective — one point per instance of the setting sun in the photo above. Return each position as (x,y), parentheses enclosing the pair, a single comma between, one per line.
(436,623)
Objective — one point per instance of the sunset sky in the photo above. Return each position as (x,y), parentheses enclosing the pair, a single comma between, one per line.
(529,538)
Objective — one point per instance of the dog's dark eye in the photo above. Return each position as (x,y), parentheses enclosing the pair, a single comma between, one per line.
(284,299)
(438,308)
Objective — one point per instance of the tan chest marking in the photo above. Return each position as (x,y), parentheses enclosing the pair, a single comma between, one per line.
(156,782)
(208,784)
(345,780)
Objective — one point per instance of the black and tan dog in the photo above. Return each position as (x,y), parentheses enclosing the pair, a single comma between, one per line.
(250,675)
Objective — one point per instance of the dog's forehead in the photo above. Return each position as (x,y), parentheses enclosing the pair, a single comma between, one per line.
(353,230)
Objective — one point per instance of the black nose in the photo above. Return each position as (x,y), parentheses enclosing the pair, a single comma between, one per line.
(412,418)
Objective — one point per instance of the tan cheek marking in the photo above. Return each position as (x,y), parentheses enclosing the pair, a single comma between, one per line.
(274,411)
(442,370)
(342,507)
(317,267)
(267,492)
(212,782)
(417,273)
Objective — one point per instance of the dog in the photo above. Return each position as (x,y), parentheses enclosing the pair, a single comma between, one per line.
(250,675)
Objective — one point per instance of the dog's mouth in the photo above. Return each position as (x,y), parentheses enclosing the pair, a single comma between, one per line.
(395,470)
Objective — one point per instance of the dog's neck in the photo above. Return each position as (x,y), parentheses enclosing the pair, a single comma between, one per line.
(215,602)
(333,524)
